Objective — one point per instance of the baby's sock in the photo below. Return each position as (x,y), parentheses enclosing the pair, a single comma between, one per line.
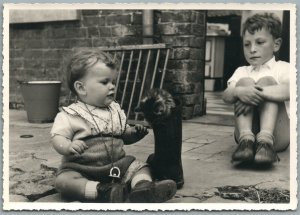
(265,136)
(142,175)
(246,135)
(91,190)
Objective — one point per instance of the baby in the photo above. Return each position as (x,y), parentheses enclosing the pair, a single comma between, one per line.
(90,135)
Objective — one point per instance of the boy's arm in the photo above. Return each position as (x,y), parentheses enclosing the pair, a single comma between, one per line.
(134,134)
(65,146)
(229,95)
(277,93)
(250,95)
(61,144)
(280,92)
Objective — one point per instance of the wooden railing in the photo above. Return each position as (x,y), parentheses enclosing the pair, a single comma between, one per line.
(142,67)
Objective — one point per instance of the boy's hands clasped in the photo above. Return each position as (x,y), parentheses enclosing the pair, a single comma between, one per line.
(247,97)
(251,95)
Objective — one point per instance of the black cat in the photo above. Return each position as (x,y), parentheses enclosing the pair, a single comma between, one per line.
(156,105)
(163,113)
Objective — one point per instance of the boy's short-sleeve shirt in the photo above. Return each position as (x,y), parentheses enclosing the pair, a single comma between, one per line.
(279,70)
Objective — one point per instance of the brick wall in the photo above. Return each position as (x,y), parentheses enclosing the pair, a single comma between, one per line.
(185,30)
(38,50)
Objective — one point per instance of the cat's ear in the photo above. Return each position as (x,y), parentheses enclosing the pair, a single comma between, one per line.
(171,103)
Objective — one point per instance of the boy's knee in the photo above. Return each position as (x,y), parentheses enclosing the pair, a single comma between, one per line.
(245,82)
(63,179)
(60,181)
(266,81)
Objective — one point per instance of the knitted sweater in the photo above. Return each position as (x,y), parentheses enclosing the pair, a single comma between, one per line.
(101,131)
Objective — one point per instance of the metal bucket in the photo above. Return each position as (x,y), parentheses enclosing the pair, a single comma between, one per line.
(41,100)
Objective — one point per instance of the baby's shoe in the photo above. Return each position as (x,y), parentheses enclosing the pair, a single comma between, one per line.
(153,192)
(244,151)
(111,192)
(265,153)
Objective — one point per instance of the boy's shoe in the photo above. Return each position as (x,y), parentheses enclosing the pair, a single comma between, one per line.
(153,192)
(244,151)
(265,153)
(111,192)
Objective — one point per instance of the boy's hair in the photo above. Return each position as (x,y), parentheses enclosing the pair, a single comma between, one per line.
(81,60)
(267,20)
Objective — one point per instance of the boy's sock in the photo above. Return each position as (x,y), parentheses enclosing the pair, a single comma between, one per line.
(246,135)
(265,136)
(91,190)
(108,192)
(147,191)
(142,175)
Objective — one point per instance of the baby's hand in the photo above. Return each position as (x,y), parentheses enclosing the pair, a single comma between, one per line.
(140,131)
(77,147)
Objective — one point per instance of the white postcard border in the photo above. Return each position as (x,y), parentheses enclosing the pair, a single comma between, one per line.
(162,206)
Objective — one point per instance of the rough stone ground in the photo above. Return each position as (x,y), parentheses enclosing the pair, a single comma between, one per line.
(210,177)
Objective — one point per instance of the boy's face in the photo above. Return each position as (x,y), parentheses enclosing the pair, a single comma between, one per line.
(99,85)
(260,46)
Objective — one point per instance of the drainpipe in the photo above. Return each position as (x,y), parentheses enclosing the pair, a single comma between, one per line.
(148,26)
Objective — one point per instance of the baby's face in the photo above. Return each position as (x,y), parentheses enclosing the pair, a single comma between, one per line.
(259,47)
(99,84)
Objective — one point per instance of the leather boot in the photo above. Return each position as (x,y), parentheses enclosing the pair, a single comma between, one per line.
(166,162)
(153,192)
(111,192)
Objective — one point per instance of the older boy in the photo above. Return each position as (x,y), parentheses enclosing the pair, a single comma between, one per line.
(260,93)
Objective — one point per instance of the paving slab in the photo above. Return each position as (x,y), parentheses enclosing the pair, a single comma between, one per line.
(204,175)
(56,197)
(185,200)
(218,199)
(206,157)
(18,198)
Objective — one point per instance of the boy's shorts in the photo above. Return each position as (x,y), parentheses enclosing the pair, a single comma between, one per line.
(128,166)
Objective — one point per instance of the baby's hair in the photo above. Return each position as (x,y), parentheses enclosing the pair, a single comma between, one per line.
(81,60)
(267,20)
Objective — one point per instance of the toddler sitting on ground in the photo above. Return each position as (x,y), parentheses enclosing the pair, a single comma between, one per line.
(90,134)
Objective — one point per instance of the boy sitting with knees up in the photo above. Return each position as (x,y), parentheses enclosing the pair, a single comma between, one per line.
(260,94)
